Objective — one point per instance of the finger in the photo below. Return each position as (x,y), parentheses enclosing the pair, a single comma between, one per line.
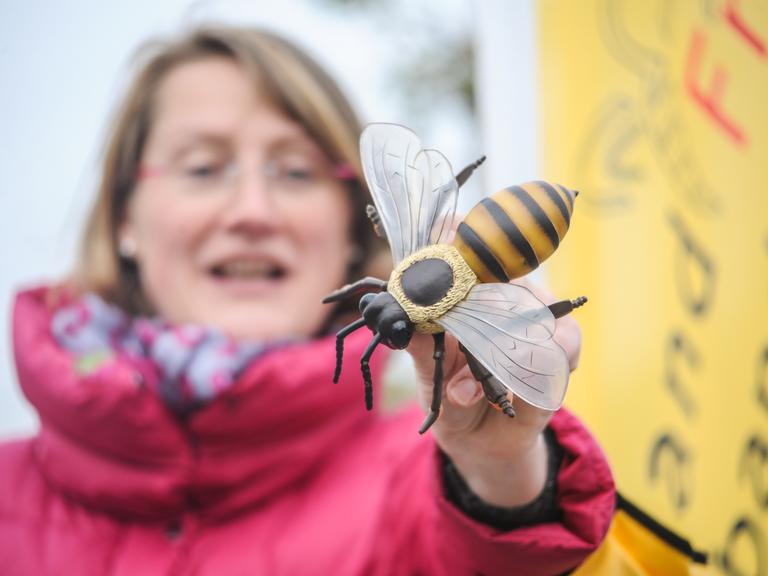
(568,336)
(421,348)
(567,329)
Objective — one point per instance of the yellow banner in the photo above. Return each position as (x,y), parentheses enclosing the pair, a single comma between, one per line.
(657,112)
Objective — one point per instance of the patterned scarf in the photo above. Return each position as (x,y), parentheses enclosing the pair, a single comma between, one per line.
(194,364)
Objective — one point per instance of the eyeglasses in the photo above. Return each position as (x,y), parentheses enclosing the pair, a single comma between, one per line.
(288,174)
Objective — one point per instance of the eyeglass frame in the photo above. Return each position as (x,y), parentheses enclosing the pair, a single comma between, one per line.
(231,171)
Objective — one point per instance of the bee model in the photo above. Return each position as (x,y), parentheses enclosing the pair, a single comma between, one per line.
(461,287)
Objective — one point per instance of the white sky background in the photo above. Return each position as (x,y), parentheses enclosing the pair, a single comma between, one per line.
(63,66)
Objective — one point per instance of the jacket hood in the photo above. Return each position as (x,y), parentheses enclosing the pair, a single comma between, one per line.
(108,441)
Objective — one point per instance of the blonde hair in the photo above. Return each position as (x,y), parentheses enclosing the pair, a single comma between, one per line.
(285,74)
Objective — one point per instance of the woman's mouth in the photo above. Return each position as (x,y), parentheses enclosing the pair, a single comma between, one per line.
(249,278)
(248,270)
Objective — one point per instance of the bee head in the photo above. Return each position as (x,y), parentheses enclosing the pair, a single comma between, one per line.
(365,301)
(385,316)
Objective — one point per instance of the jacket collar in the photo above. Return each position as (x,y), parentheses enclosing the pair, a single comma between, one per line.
(107,441)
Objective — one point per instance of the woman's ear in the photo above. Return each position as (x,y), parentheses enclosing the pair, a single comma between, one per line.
(127,246)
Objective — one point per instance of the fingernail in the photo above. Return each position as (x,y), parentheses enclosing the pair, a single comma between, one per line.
(464,391)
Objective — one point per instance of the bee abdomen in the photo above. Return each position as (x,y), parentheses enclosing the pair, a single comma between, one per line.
(510,233)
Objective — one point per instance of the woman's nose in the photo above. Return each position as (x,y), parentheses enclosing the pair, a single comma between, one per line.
(252,206)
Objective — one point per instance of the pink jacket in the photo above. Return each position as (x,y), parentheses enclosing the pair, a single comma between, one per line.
(284,474)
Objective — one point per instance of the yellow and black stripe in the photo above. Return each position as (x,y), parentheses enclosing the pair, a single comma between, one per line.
(510,233)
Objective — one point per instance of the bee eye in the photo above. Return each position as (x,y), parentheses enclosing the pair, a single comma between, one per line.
(400,334)
(366,300)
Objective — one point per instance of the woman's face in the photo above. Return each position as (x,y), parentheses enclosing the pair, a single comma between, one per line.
(237,219)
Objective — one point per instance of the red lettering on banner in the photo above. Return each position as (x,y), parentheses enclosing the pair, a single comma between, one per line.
(711,101)
(734,18)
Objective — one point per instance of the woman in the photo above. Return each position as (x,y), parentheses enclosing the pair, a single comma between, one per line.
(182,376)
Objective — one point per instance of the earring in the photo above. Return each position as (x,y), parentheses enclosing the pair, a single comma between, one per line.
(127,247)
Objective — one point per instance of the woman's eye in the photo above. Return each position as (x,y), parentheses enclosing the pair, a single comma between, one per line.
(203,171)
(299,174)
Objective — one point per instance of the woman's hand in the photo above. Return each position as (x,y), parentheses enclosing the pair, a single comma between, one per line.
(502,459)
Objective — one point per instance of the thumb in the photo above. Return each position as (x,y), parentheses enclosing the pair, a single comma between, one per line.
(464,391)
(463,402)
(464,405)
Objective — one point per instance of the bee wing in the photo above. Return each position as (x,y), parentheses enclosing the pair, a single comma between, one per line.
(437,217)
(510,332)
(414,190)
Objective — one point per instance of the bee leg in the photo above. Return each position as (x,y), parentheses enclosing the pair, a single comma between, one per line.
(363,285)
(437,390)
(367,371)
(464,175)
(373,216)
(340,335)
(564,307)
(496,393)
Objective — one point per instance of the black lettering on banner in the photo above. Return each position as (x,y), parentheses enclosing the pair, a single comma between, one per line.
(694,271)
(762,378)
(680,346)
(608,156)
(745,537)
(657,114)
(676,470)
(754,464)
